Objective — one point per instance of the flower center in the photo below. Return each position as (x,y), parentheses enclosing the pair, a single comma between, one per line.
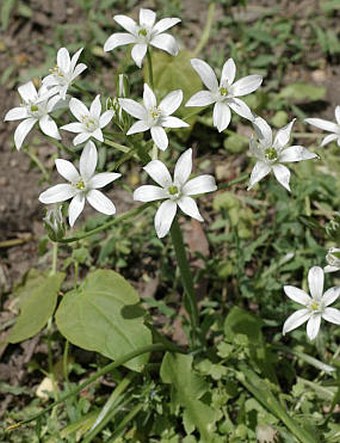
(155,114)
(90,123)
(270,154)
(34,110)
(173,190)
(224,91)
(315,306)
(80,185)
(143,32)
(57,71)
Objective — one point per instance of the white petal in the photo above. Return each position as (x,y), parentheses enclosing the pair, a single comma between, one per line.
(323,124)
(57,194)
(206,73)
(330,268)
(49,127)
(228,72)
(149,97)
(164,24)
(329,138)
(63,60)
(96,107)
(73,127)
(22,130)
(88,160)
(67,170)
(189,207)
(98,135)
(173,122)
(102,179)
(159,137)
(147,17)
(337,114)
(332,315)
(28,92)
(313,326)
(164,217)
(259,171)
(282,175)
(201,98)
(78,70)
(200,185)
(295,320)
(295,154)
(78,109)
(166,42)
(149,193)
(139,126)
(16,114)
(133,108)
(75,59)
(238,106)
(75,208)
(316,282)
(100,202)
(283,135)
(263,131)
(138,53)
(118,39)
(183,168)
(246,85)
(171,102)
(221,116)
(159,173)
(81,138)
(297,295)
(126,22)
(331,295)
(105,118)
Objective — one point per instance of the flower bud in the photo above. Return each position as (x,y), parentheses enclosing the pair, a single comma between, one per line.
(54,223)
(333,260)
(123,86)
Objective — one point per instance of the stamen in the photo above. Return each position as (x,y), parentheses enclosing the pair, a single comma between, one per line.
(173,190)
(270,154)
(80,185)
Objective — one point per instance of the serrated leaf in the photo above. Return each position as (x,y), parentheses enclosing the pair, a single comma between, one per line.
(38,299)
(103,315)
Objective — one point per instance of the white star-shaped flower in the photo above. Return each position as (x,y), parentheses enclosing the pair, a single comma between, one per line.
(224,95)
(83,185)
(90,122)
(154,117)
(141,35)
(35,108)
(333,260)
(328,126)
(175,192)
(315,305)
(64,73)
(271,153)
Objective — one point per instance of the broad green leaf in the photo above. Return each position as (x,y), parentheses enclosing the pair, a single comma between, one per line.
(103,315)
(38,299)
(299,92)
(189,387)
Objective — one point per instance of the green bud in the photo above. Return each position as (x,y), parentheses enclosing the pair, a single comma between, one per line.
(54,223)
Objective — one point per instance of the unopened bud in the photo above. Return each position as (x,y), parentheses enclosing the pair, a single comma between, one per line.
(54,223)
(123,86)
(333,260)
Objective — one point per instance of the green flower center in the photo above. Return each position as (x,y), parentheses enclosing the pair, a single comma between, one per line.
(314,306)
(90,123)
(34,108)
(224,91)
(57,71)
(173,190)
(155,113)
(142,32)
(270,154)
(80,185)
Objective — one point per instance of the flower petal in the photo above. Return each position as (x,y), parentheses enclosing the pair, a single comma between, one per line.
(63,60)
(22,130)
(96,107)
(149,97)
(159,173)
(138,53)
(67,170)
(88,160)
(133,108)
(323,124)
(149,193)
(332,315)
(259,171)
(337,114)
(164,217)
(100,202)
(105,118)
(297,295)
(330,268)
(118,39)
(147,17)
(98,135)
(200,185)
(316,282)
(166,42)
(78,70)
(171,102)
(75,208)
(81,138)
(49,127)
(283,135)
(263,131)
(238,106)
(206,73)
(329,138)
(164,24)
(228,72)
(126,22)
(201,98)
(16,114)
(183,168)
(313,326)
(221,116)
(78,109)
(295,320)
(139,126)
(331,295)
(189,207)
(282,175)
(58,193)
(28,92)
(246,85)
(159,137)
(75,127)
(173,122)
(75,58)
(295,154)
(102,179)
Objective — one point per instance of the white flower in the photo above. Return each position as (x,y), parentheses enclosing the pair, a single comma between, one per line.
(154,117)
(333,260)
(328,126)
(224,95)
(141,35)
(315,306)
(175,192)
(35,108)
(64,73)
(91,121)
(83,186)
(271,153)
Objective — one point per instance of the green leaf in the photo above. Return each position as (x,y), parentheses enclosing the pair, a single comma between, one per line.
(38,299)
(103,315)
(189,387)
(300,92)
(6,10)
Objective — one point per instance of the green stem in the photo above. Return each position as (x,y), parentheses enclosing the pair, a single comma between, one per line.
(237,180)
(118,146)
(38,163)
(65,362)
(150,70)
(206,31)
(125,421)
(190,301)
(54,258)
(158,347)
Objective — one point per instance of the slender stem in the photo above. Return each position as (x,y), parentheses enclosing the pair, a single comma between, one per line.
(118,146)
(38,163)
(237,180)
(65,361)
(150,70)
(206,31)
(187,280)
(54,258)
(108,368)
(126,420)
(15,241)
